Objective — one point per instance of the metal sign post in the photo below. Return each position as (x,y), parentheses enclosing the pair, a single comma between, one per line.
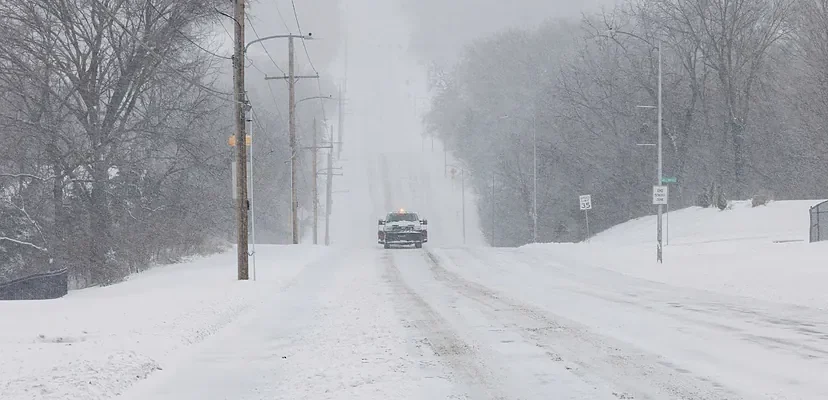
(660,198)
(665,180)
(586,205)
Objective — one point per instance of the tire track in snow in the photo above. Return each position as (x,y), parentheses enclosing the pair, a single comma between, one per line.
(440,342)
(801,328)
(437,341)
(628,373)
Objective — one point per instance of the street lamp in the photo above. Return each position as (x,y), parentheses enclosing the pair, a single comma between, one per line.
(463,195)
(660,113)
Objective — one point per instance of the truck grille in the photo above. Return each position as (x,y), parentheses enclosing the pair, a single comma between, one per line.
(407,236)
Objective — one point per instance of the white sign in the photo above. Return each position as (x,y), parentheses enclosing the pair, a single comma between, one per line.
(586,202)
(660,194)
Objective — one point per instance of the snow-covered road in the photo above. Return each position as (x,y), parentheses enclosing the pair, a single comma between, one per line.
(488,324)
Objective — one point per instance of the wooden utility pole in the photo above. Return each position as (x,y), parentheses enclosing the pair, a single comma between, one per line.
(315,148)
(242,201)
(340,126)
(292,78)
(293,152)
(315,184)
(328,200)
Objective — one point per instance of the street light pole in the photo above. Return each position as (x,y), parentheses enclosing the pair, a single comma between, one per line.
(535,181)
(250,195)
(493,209)
(659,253)
(463,197)
(660,207)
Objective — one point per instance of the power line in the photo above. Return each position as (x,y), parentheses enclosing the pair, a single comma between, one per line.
(263,46)
(299,27)
(221,23)
(278,11)
(160,14)
(307,54)
(275,103)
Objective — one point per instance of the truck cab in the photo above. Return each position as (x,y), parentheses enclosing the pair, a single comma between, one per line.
(402,228)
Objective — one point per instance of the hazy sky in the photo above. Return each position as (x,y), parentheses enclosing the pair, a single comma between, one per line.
(387,43)
(274,17)
(441,27)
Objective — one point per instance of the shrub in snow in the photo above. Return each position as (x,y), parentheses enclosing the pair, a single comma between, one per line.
(759,200)
(703,199)
(721,200)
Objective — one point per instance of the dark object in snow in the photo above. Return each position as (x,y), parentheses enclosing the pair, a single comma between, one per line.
(759,200)
(42,286)
(819,222)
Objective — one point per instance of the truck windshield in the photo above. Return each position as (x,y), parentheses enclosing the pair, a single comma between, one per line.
(396,217)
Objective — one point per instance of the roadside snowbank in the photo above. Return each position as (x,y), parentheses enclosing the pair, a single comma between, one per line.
(94,343)
(760,252)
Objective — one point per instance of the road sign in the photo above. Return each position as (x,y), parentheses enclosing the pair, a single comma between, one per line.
(660,194)
(586,202)
(669,180)
(232,140)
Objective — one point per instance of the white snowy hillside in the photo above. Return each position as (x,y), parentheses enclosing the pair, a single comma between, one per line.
(776,221)
(761,252)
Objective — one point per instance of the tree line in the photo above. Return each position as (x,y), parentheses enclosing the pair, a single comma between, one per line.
(114,124)
(745,101)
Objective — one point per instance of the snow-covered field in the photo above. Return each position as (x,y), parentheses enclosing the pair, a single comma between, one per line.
(94,343)
(760,252)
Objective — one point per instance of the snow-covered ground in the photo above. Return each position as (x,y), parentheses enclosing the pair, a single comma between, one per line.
(94,343)
(760,252)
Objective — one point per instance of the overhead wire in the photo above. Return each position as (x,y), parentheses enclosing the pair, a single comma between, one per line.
(160,14)
(299,27)
(307,54)
(281,17)
(262,44)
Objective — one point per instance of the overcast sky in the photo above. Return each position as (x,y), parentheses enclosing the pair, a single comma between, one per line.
(387,41)
(435,29)
(441,27)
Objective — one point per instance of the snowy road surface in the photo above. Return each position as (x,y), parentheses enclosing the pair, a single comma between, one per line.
(484,324)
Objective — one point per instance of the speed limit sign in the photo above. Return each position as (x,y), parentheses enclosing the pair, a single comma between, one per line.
(586,202)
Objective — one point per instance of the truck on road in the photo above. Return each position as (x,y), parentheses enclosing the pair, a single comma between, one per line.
(402,228)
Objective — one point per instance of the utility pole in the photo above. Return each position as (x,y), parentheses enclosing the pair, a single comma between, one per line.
(328,198)
(340,126)
(242,201)
(292,77)
(315,148)
(315,184)
(293,153)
